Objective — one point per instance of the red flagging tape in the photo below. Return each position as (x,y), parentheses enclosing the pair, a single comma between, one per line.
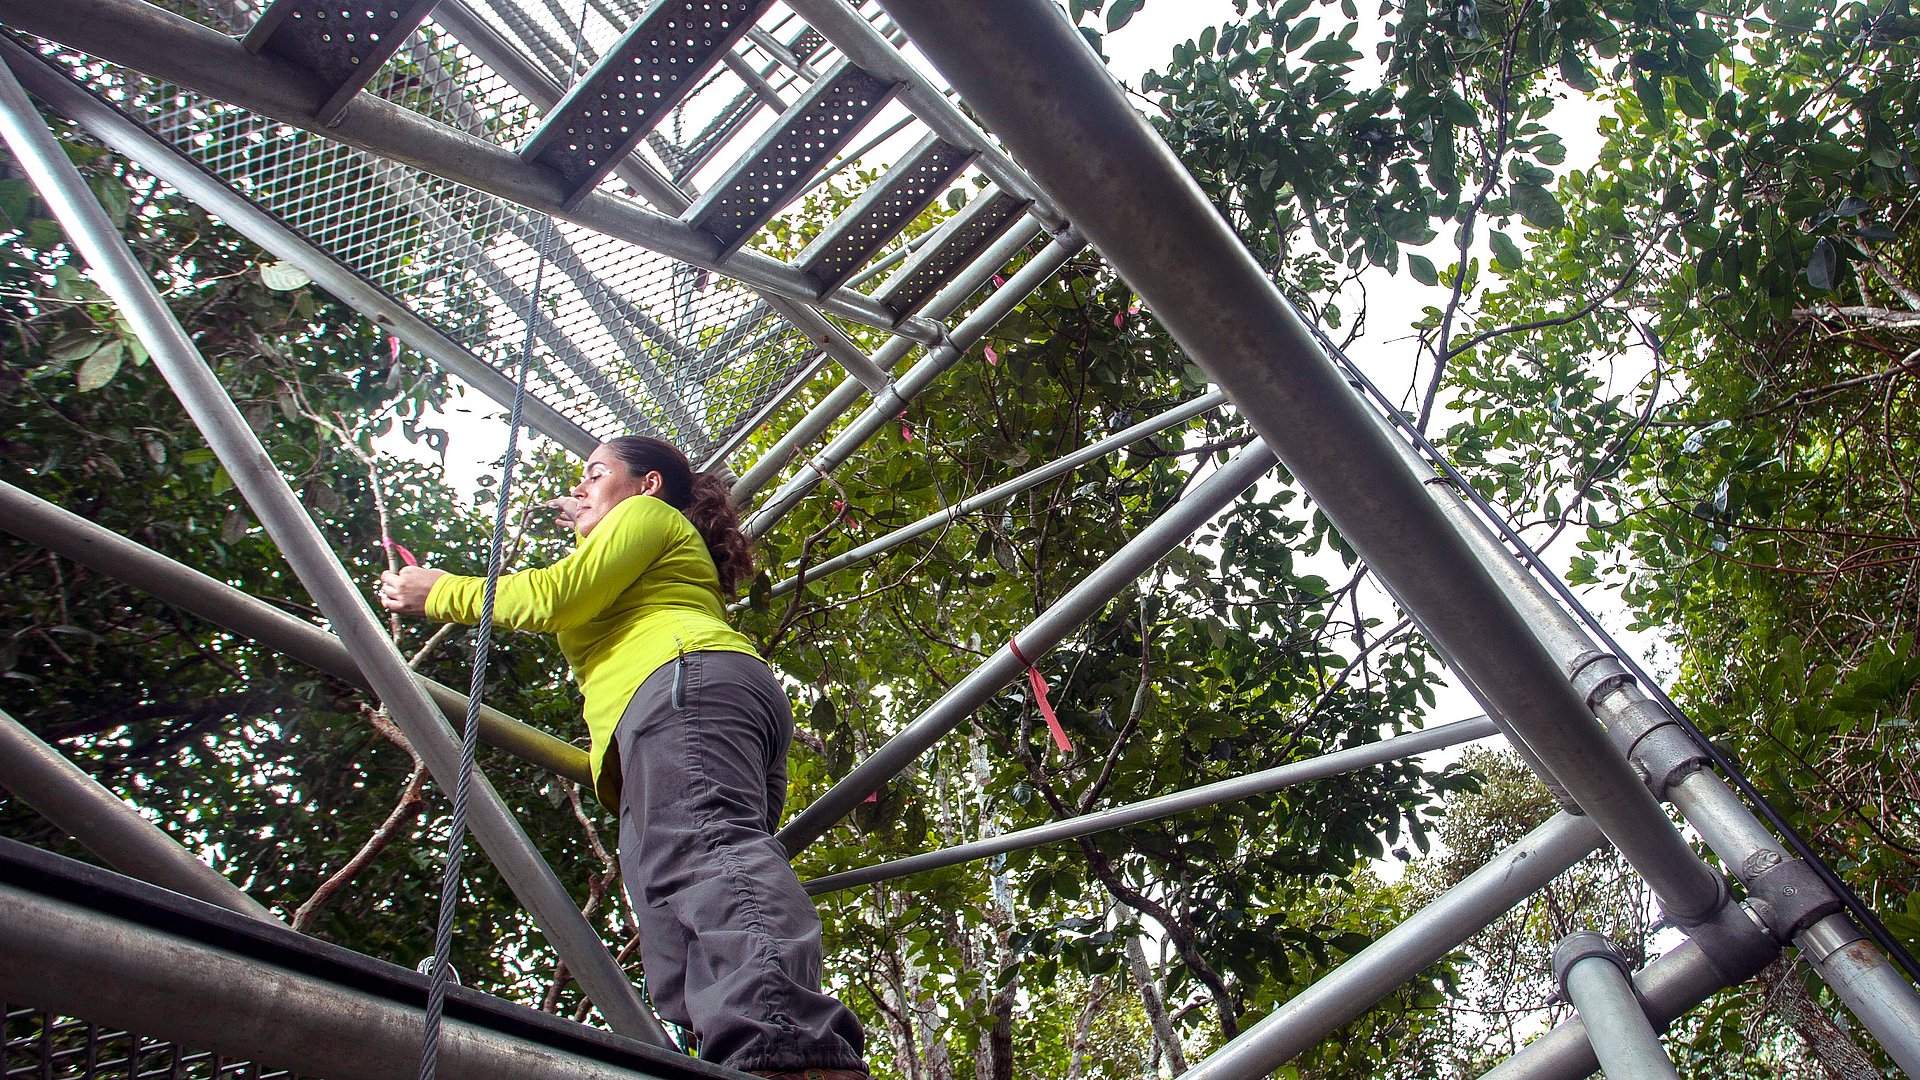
(399,549)
(1039,684)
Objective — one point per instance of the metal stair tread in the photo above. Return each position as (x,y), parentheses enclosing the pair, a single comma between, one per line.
(345,42)
(779,165)
(883,212)
(650,70)
(983,221)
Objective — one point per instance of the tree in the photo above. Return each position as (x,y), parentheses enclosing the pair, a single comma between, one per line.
(1232,656)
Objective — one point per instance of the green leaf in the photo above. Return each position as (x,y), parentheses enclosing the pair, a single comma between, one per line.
(1331,51)
(112,193)
(72,346)
(100,366)
(1575,73)
(1689,100)
(1830,157)
(1301,33)
(1823,268)
(1653,101)
(1422,269)
(283,277)
(1538,206)
(1408,227)
(1506,253)
(1121,12)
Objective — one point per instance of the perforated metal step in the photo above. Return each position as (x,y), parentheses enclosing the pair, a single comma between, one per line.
(880,214)
(771,174)
(961,240)
(639,80)
(345,42)
(807,44)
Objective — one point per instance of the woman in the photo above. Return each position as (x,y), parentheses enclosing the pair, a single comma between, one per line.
(689,739)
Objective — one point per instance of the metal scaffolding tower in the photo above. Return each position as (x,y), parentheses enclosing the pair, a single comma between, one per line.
(404,155)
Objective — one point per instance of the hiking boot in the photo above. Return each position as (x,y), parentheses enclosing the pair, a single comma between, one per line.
(814,1074)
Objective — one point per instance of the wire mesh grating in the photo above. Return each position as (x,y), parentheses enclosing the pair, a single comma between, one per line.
(39,1045)
(627,339)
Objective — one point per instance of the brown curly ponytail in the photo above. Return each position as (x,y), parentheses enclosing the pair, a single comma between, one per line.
(705,499)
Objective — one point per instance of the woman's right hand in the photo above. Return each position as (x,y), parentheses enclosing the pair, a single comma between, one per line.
(404,591)
(565,507)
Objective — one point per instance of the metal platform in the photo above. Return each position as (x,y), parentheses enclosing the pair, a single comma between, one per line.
(107,977)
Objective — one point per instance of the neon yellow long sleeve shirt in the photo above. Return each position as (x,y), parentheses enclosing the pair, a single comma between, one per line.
(638,591)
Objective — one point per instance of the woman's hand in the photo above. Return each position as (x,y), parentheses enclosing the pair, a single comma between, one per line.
(564,507)
(404,592)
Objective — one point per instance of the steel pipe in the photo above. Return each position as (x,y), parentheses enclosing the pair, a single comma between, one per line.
(843,397)
(61,792)
(1173,417)
(72,960)
(1669,987)
(1404,951)
(168,47)
(1884,1001)
(73,537)
(314,563)
(1264,782)
(1036,84)
(1082,602)
(886,407)
(111,127)
(1878,995)
(1594,977)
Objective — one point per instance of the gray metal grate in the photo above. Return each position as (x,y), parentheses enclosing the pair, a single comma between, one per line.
(650,71)
(626,339)
(818,126)
(879,215)
(46,1046)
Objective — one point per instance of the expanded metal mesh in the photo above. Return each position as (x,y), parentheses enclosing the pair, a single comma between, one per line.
(39,1045)
(627,339)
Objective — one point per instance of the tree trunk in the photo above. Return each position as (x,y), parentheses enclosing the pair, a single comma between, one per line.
(1077,1050)
(1825,1040)
(1165,1038)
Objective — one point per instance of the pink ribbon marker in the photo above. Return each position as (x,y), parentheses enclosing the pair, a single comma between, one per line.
(1038,683)
(399,549)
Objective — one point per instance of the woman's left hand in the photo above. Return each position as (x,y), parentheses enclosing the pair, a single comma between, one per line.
(404,592)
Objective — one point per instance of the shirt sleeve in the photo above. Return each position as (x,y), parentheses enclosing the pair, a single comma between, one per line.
(631,538)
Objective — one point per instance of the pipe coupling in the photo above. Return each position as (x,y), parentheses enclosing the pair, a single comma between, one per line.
(1786,893)
(1585,945)
(1722,900)
(1736,943)
(1658,746)
(1596,674)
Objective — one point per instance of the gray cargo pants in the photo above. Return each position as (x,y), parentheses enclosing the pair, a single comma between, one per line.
(730,941)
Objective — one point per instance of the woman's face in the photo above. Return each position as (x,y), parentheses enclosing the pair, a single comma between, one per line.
(607,483)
